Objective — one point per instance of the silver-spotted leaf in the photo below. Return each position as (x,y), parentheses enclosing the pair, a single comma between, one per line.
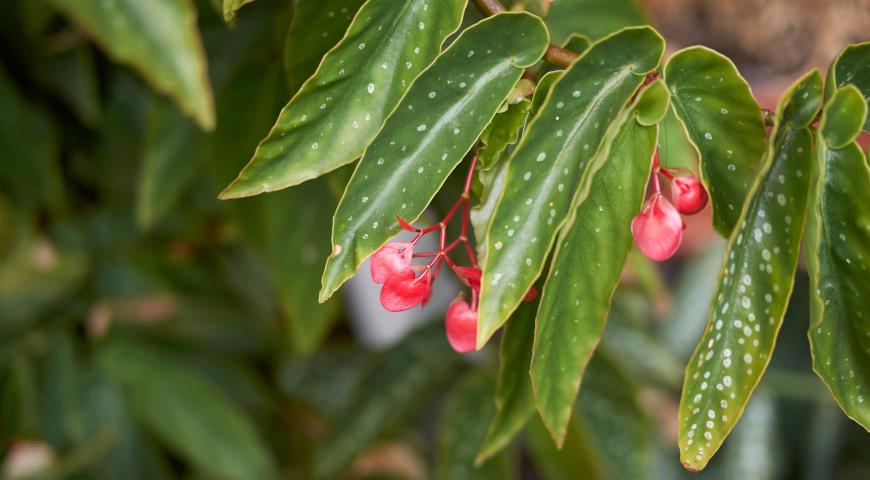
(754,285)
(838,260)
(513,396)
(316,27)
(723,121)
(432,129)
(585,270)
(158,38)
(550,166)
(340,109)
(852,66)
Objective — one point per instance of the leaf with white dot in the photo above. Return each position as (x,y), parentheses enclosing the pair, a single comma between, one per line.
(590,255)
(418,143)
(852,66)
(838,259)
(754,285)
(723,122)
(569,130)
(344,104)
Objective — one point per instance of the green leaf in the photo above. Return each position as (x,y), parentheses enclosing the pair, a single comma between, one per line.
(754,285)
(159,38)
(462,428)
(593,18)
(190,416)
(29,157)
(577,458)
(545,84)
(723,122)
(653,105)
(297,244)
(72,77)
(514,403)
(551,166)
(502,132)
(391,390)
(846,113)
(616,423)
(340,109)
(480,215)
(232,6)
(852,66)
(434,126)
(316,27)
(169,160)
(838,253)
(589,258)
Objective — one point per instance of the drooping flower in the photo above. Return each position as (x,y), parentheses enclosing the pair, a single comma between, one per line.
(658,228)
(391,258)
(461,326)
(469,276)
(404,290)
(688,194)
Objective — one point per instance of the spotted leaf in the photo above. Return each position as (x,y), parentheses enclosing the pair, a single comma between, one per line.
(586,266)
(513,396)
(723,122)
(852,66)
(316,27)
(158,38)
(432,129)
(838,258)
(754,285)
(551,165)
(341,108)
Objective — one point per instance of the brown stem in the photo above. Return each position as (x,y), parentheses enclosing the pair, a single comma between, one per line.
(556,55)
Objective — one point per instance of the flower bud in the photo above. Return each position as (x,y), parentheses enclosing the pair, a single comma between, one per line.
(688,194)
(657,229)
(391,258)
(403,290)
(461,326)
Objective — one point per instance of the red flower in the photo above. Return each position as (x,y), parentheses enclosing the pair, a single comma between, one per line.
(531,294)
(470,276)
(658,228)
(391,258)
(404,290)
(461,326)
(688,194)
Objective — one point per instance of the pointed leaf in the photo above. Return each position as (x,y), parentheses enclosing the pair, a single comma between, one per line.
(551,166)
(232,6)
(188,414)
(578,457)
(723,122)
(159,38)
(586,266)
(316,27)
(513,396)
(462,428)
(434,126)
(391,390)
(754,285)
(340,109)
(852,66)
(838,258)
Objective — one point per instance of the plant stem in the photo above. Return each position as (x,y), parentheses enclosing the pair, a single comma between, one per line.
(556,55)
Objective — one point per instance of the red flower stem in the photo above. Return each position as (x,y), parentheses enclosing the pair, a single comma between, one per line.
(428,254)
(666,173)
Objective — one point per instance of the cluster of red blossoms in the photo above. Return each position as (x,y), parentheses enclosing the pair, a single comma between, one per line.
(658,228)
(406,285)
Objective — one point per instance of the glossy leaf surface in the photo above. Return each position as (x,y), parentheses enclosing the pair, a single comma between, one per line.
(723,122)
(586,266)
(513,396)
(838,259)
(754,285)
(316,27)
(158,38)
(434,126)
(852,66)
(341,108)
(551,165)
(502,132)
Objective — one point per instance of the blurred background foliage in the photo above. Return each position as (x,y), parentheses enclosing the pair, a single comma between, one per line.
(148,330)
